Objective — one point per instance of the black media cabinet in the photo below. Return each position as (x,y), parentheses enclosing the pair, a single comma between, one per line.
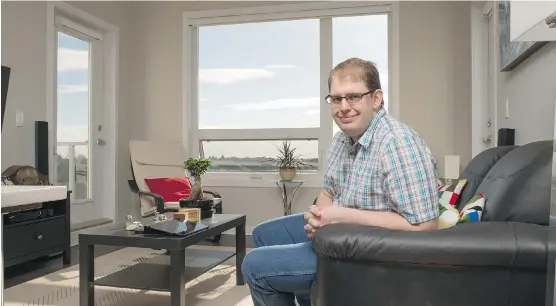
(31,231)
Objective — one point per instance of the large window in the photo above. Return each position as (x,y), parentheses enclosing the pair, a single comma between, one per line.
(255,79)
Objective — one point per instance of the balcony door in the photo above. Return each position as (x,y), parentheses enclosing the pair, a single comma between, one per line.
(83,115)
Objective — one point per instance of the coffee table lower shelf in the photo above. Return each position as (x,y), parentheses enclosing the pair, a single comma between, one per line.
(154,274)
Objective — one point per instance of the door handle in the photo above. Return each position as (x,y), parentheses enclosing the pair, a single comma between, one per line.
(487,139)
(101,142)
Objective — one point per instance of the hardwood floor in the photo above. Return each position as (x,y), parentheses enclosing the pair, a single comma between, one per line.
(24,272)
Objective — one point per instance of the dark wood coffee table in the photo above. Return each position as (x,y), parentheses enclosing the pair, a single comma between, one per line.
(167,273)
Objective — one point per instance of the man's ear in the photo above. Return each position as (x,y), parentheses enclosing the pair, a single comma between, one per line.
(377,101)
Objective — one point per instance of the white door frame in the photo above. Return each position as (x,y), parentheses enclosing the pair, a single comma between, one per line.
(483,75)
(106,206)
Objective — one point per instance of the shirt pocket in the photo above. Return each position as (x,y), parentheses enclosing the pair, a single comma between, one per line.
(371,195)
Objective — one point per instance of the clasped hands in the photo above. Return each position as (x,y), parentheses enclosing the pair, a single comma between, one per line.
(318,217)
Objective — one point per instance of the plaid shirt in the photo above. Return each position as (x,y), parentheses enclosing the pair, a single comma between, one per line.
(390,168)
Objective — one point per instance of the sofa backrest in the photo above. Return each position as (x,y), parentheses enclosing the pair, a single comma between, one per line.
(517,187)
(477,170)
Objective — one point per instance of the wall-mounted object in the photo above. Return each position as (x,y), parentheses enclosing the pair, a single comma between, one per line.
(533,21)
(513,53)
(5,84)
(551,20)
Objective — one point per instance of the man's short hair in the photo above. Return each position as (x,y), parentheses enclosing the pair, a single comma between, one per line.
(358,69)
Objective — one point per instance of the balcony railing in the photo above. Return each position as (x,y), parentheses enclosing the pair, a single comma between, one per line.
(73,172)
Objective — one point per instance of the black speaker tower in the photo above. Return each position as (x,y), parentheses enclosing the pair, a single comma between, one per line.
(506,137)
(41,147)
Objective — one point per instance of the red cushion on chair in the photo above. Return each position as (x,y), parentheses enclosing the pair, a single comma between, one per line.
(171,189)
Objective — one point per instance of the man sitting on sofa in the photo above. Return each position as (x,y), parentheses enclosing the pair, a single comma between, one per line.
(379,173)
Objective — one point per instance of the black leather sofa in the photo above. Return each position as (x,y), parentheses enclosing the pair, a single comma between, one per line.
(499,261)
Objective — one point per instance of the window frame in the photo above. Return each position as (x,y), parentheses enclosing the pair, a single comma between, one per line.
(192,136)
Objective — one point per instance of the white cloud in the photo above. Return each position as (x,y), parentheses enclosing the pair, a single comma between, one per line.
(280,66)
(69,89)
(290,103)
(312,112)
(73,133)
(71,59)
(230,76)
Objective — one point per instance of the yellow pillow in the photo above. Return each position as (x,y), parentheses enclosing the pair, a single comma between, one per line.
(449,216)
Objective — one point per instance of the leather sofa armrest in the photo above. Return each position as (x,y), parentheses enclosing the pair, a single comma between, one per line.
(505,244)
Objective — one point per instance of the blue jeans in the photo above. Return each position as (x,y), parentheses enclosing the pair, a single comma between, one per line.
(282,266)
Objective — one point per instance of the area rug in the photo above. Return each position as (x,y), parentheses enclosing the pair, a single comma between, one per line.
(217,287)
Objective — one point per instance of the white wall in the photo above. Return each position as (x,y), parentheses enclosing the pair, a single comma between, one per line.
(531,92)
(435,76)
(435,83)
(24,50)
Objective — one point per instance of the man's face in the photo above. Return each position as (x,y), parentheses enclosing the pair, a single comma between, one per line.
(353,118)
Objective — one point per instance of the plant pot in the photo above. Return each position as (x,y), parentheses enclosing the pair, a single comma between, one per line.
(206,206)
(287,174)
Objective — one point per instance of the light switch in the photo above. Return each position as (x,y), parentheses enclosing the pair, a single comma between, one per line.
(18,118)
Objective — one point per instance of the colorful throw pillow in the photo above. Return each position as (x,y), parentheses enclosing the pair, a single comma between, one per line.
(171,189)
(449,194)
(473,211)
(470,213)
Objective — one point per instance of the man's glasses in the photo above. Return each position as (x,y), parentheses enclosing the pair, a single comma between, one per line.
(350,98)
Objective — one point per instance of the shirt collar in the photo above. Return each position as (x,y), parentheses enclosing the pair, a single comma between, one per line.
(366,138)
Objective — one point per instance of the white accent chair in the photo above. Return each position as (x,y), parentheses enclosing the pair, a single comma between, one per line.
(157,159)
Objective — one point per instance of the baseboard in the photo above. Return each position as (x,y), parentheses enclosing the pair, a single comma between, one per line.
(88,224)
(248,231)
(75,234)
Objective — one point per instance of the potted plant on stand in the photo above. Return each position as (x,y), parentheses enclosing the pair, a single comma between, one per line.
(196,168)
(287,161)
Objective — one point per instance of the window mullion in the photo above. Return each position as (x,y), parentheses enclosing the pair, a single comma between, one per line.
(190,121)
(259,134)
(326,60)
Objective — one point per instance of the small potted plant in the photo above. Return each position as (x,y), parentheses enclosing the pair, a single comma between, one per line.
(196,168)
(287,161)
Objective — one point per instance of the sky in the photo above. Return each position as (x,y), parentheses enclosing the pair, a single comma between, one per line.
(73,91)
(251,76)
